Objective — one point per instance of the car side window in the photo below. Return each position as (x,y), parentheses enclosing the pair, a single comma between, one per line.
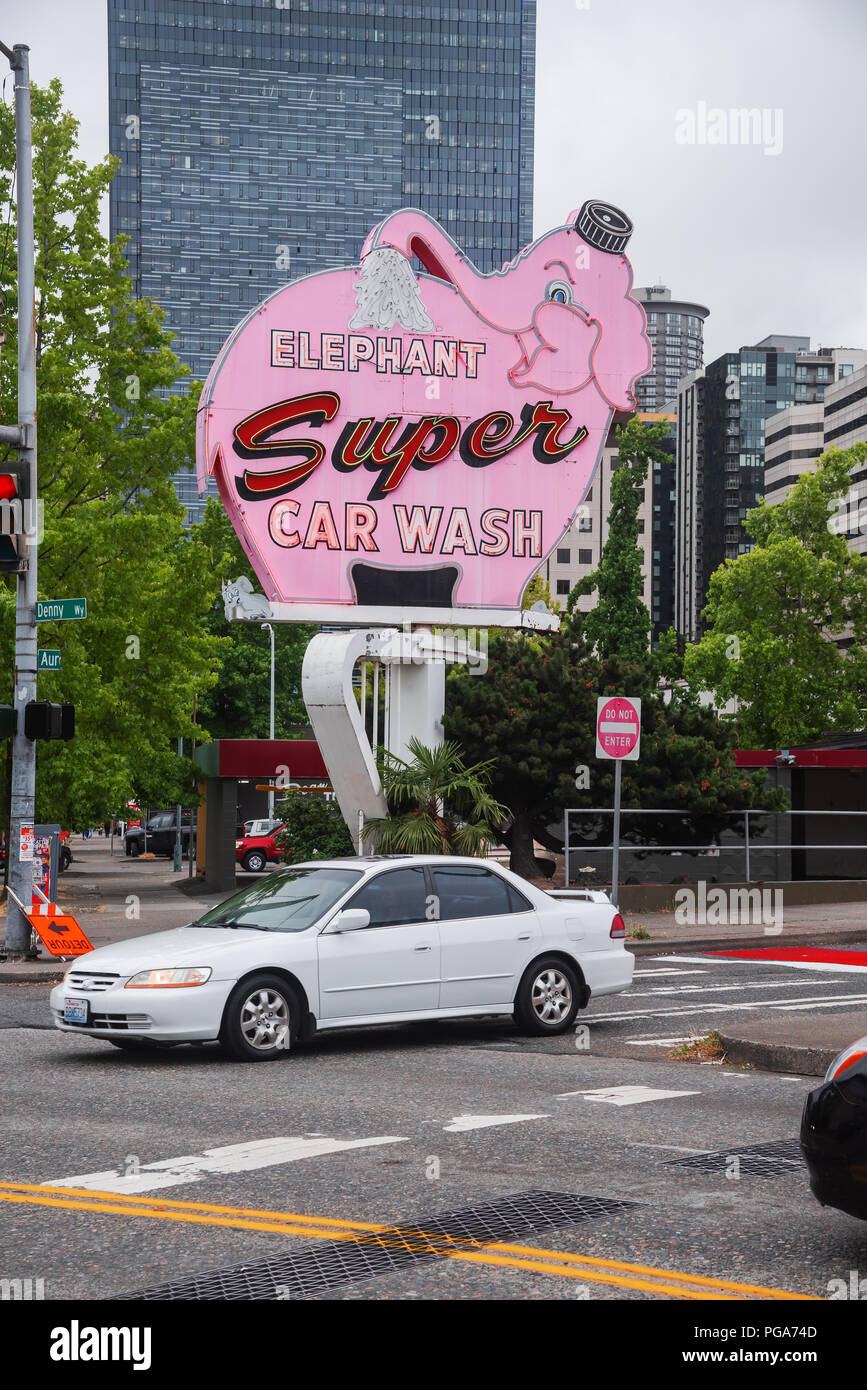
(396,898)
(467,892)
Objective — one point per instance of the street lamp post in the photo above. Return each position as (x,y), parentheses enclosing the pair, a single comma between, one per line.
(271,721)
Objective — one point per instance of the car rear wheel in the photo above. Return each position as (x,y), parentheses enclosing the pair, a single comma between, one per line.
(254,861)
(548,998)
(261,1019)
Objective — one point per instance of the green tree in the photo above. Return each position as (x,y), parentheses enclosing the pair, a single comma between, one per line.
(539,589)
(532,716)
(238,706)
(437,804)
(314,829)
(619,625)
(112,430)
(775,613)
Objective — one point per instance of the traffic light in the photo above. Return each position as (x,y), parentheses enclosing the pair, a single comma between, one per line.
(42,719)
(8,721)
(13,494)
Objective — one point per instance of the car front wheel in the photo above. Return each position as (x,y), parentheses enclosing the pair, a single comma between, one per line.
(548,998)
(254,861)
(261,1019)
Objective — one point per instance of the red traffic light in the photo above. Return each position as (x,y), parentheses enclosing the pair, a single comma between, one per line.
(8,486)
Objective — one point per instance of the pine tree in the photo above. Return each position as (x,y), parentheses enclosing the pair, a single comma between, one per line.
(619,625)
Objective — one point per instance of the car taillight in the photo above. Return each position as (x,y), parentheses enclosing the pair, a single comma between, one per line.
(835,1071)
(618,926)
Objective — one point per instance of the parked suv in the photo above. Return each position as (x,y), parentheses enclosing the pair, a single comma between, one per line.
(158,835)
(258,845)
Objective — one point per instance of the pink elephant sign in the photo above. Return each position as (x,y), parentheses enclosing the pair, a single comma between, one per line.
(403,442)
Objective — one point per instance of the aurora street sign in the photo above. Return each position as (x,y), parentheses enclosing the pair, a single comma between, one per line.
(60,609)
(49,659)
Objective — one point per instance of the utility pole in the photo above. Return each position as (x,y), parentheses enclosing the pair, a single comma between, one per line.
(24,437)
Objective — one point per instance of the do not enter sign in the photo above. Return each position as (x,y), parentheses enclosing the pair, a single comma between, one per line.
(618,727)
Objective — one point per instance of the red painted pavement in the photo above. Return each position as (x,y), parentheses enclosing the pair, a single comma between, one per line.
(808,953)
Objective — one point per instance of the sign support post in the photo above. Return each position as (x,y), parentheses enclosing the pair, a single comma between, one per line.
(618,737)
(615,850)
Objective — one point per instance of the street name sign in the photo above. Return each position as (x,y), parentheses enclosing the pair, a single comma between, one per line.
(52,610)
(49,659)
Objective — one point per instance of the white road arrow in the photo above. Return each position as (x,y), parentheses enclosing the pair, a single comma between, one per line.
(628,1095)
(464,1122)
(233,1158)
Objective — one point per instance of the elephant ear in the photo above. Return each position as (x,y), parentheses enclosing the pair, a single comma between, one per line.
(388,294)
(622,352)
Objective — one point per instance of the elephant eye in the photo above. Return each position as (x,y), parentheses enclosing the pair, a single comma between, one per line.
(559,291)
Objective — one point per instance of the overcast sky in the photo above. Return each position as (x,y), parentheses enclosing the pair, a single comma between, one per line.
(771,243)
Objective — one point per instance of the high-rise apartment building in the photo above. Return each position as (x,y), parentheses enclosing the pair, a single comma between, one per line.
(796,438)
(675,328)
(259,143)
(721,452)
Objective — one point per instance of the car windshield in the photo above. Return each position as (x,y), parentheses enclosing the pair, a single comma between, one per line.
(289,901)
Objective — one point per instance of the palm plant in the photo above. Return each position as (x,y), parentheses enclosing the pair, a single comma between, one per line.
(437,805)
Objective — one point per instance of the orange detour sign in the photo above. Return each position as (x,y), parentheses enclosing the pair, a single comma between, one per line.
(58,931)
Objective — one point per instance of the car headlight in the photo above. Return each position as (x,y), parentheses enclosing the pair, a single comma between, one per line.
(846,1059)
(169,979)
(238,844)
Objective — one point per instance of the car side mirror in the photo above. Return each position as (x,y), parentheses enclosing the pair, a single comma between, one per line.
(350,919)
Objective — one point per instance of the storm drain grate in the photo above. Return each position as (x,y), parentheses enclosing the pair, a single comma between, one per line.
(758,1160)
(325,1267)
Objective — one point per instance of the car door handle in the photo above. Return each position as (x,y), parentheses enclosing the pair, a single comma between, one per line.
(421,948)
(525,936)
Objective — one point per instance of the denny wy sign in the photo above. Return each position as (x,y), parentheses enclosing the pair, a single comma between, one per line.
(414,445)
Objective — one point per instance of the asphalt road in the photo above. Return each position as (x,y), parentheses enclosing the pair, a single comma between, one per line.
(383,1131)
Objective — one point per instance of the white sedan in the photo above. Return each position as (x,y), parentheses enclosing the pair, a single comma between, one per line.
(343,942)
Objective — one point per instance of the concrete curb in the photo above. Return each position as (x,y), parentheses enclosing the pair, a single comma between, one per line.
(802,1061)
(679,946)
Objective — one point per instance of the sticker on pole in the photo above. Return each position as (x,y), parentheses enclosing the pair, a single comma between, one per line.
(618,727)
(26,845)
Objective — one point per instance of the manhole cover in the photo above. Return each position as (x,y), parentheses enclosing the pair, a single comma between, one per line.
(757,1160)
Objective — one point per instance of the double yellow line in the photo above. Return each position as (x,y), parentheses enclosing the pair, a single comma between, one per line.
(584,1268)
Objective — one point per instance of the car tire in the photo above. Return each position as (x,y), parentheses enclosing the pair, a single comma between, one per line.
(262,1005)
(134,849)
(254,861)
(65,859)
(548,998)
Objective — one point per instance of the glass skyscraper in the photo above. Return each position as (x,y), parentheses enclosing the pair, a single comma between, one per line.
(260,142)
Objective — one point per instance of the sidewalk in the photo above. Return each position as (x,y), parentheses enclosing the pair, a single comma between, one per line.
(819,924)
(113,898)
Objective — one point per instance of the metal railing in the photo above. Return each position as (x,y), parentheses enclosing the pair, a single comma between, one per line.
(743,846)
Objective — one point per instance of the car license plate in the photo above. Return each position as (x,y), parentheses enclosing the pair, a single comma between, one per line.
(75,1010)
